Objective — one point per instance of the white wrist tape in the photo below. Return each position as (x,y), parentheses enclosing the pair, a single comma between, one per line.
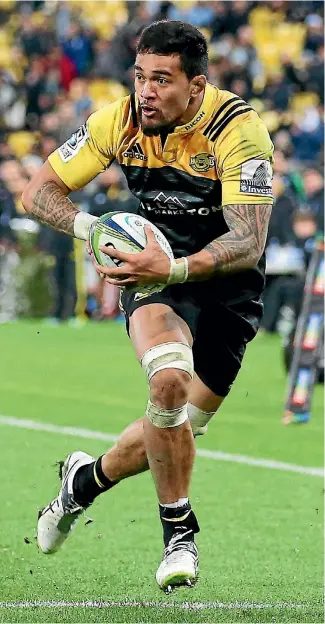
(178,271)
(82,223)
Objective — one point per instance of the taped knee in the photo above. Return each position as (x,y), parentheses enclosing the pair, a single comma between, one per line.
(165,418)
(168,355)
(198,419)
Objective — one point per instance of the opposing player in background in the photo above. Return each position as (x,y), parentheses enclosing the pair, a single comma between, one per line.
(199,160)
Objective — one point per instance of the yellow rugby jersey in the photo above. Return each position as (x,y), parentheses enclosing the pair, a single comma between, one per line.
(223,156)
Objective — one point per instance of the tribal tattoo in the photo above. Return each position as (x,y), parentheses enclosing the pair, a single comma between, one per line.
(241,247)
(52,208)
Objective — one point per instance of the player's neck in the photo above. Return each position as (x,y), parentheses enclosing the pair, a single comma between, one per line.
(191,111)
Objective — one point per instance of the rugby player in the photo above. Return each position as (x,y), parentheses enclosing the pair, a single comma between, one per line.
(199,159)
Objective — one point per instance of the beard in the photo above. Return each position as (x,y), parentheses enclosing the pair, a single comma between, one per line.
(153,131)
(154,128)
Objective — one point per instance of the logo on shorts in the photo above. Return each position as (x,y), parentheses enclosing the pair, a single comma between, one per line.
(71,147)
(202,162)
(141,295)
(256,177)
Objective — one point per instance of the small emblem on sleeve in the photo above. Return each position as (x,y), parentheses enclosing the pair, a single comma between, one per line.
(71,147)
(202,162)
(256,177)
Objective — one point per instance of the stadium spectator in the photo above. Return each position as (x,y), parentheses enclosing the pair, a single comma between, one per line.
(238,13)
(314,189)
(47,145)
(219,23)
(64,66)
(61,248)
(277,92)
(200,14)
(307,135)
(315,32)
(7,212)
(35,89)
(30,39)
(78,47)
(286,277)
(280,228)
(121,53)
(291,178)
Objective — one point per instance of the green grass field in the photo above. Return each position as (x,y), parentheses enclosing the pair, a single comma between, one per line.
(261,540)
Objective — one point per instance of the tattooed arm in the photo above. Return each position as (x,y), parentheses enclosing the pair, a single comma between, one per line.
(238,249)
(51,207)
(46,199)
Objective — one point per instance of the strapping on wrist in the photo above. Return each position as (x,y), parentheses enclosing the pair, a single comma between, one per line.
(82,223)
(178,273)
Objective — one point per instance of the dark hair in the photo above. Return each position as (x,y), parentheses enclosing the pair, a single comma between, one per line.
(304,214)
(173,37)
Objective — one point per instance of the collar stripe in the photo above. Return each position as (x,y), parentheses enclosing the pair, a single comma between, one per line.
(226,115)
(224,122)
(134,113)
(219,111)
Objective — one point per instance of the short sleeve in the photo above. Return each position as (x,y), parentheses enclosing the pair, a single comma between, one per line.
(245,158)
(91,149)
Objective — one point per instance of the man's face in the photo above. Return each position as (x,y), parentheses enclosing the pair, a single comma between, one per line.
(313,181)
(163,89)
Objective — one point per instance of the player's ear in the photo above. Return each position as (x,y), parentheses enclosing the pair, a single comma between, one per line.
(197,85)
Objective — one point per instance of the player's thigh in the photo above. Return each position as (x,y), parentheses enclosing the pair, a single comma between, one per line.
(218,351)
(162,342)
(202,397)
(156,324)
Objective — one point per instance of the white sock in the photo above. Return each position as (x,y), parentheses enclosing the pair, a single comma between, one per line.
(180,503)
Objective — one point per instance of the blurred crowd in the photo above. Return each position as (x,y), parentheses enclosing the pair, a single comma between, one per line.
(59,61)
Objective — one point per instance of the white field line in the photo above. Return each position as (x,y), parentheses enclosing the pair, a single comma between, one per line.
(187,606)
(109,437)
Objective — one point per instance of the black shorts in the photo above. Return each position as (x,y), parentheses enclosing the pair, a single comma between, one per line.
(220,330)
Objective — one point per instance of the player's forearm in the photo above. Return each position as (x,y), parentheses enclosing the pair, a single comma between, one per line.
(50,206)
(53,208)
(237,250)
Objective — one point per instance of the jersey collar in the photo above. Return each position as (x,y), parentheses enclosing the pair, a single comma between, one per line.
(203,113)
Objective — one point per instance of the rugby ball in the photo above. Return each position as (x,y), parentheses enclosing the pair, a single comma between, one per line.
(125,231)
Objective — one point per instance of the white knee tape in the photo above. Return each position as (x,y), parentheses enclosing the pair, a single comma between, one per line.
(164,418)
(198,419)
(168,355)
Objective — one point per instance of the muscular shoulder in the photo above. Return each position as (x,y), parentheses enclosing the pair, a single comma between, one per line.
(92,148)
(236,130)
(106,124)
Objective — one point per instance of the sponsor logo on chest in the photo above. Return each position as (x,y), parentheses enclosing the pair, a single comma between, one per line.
(135,152)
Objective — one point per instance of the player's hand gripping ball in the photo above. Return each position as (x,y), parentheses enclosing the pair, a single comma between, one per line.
(125,232)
